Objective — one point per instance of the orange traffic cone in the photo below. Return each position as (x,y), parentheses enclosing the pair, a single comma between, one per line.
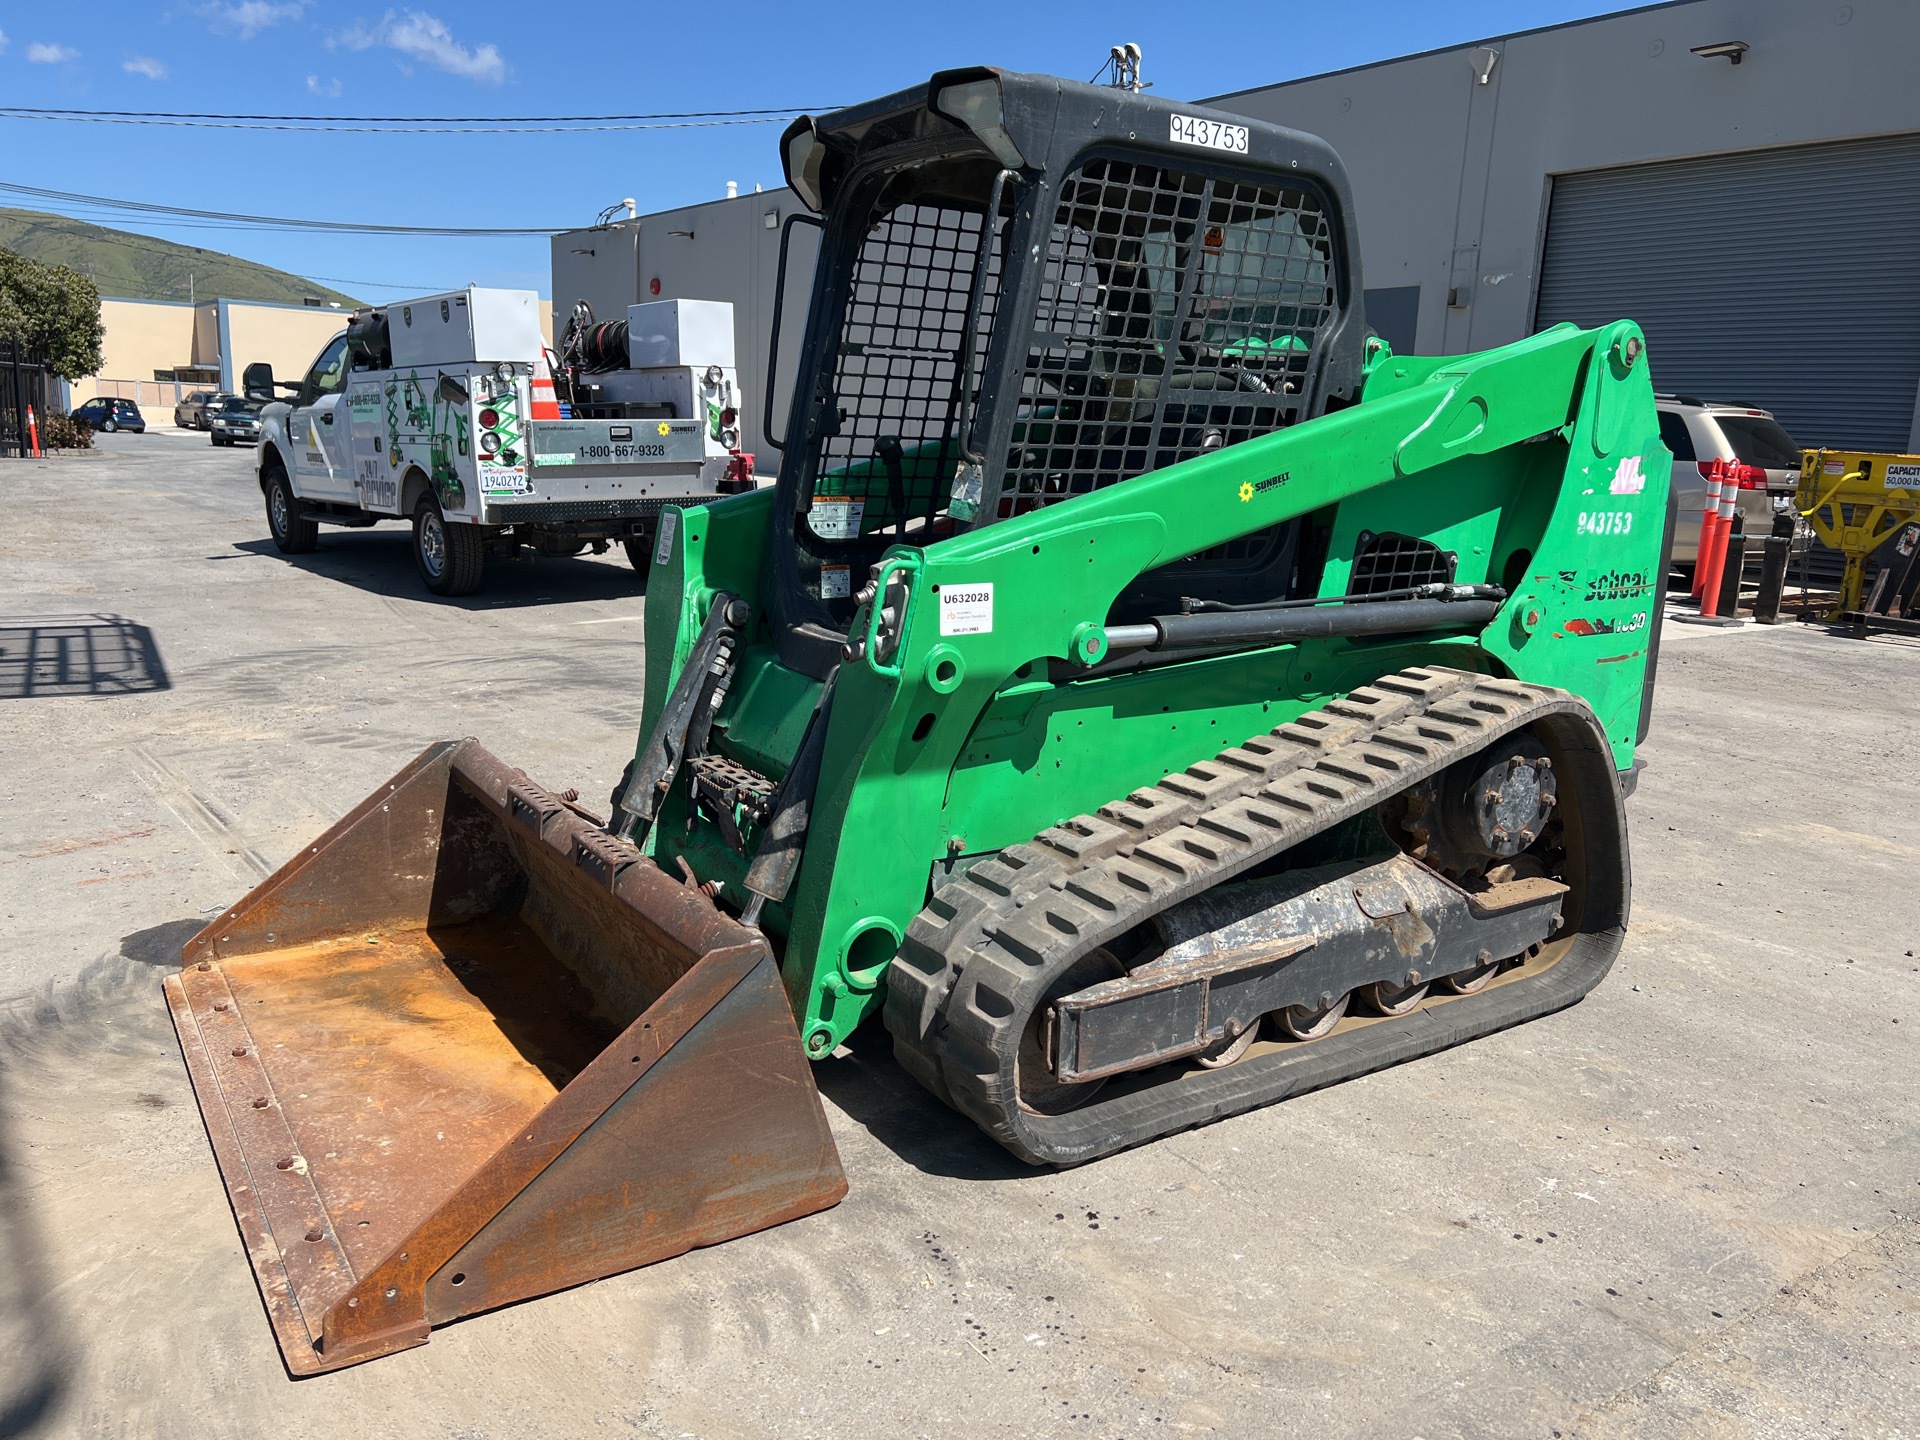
(545,406)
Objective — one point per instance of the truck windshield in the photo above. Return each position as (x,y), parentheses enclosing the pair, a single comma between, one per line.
(329,372)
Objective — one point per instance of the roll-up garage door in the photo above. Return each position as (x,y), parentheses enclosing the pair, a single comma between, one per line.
(1788,279)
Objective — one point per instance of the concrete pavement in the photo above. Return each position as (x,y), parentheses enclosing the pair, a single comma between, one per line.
(1684,1207)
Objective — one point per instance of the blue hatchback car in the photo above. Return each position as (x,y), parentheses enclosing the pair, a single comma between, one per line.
(103,412)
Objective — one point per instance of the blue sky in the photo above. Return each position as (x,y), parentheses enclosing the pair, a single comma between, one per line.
(344,58)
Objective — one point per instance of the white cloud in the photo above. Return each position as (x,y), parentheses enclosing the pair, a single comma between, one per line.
(247,18)
(145,65)
(425,38)
(325,89)
(3,41)
(40,54)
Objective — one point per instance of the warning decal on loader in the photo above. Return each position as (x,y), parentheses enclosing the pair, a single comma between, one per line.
(836,517)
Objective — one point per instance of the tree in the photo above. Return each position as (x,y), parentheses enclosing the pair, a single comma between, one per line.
(53,310)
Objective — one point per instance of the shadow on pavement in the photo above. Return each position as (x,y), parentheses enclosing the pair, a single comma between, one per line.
(35,1363)
(77,655)
(381,562)
(62,1049)
(893,1108)
(160,945)
(59,1044)
(36,1355)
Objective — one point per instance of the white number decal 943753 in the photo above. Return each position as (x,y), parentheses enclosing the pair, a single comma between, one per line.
(1214,134)
(1606,522)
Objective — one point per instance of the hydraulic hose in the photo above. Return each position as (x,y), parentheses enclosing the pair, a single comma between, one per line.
(603,346)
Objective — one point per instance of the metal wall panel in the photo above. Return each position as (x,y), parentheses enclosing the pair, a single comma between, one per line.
(1787,278)
(1393,312)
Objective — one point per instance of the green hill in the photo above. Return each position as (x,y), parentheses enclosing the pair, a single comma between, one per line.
(139,267)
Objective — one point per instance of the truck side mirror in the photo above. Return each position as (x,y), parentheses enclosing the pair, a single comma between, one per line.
(256,381)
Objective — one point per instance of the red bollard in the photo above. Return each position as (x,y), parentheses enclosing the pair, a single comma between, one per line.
(1711,562)
(33,432)
(1709,523)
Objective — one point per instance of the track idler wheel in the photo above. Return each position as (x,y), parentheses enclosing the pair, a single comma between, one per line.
(1473,979)
(1229,1050)
(1386,998)
(1297,1022)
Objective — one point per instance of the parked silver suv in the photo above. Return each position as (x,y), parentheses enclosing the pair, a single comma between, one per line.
(1749,445)
(191,413)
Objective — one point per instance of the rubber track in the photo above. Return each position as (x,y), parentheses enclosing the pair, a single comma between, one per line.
(979,957)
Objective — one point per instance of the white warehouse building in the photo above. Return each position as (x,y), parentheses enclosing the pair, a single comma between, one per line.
(1742,177)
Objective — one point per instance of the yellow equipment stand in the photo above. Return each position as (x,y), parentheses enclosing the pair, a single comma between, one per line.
(1855,501)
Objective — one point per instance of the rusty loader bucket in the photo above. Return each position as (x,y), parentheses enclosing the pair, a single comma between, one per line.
(467,1049)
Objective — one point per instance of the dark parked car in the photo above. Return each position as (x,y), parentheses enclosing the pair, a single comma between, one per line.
(105,413)
(233,419)
(192,411)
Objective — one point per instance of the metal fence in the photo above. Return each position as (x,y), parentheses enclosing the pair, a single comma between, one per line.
(25,383)
(162,393)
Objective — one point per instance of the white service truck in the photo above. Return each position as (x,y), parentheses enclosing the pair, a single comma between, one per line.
(442,411)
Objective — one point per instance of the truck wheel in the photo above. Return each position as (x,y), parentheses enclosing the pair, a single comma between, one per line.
(294,533)
(451,557)
(639,550)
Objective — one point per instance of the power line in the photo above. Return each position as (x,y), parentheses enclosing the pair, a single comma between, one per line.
(414,119)
(331,227)
(411,129)
(407,124)
(91,215)
(420,289)
(187,257)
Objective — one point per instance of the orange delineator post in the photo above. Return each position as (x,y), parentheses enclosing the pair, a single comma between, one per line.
(1709,523)
(1713,559)
(33,432)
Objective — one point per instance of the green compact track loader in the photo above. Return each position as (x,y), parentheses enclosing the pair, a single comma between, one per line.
(1143,693)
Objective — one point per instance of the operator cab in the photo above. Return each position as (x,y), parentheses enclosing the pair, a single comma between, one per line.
(1030,289)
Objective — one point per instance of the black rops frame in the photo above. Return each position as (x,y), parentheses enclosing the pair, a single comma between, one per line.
(1054,124)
